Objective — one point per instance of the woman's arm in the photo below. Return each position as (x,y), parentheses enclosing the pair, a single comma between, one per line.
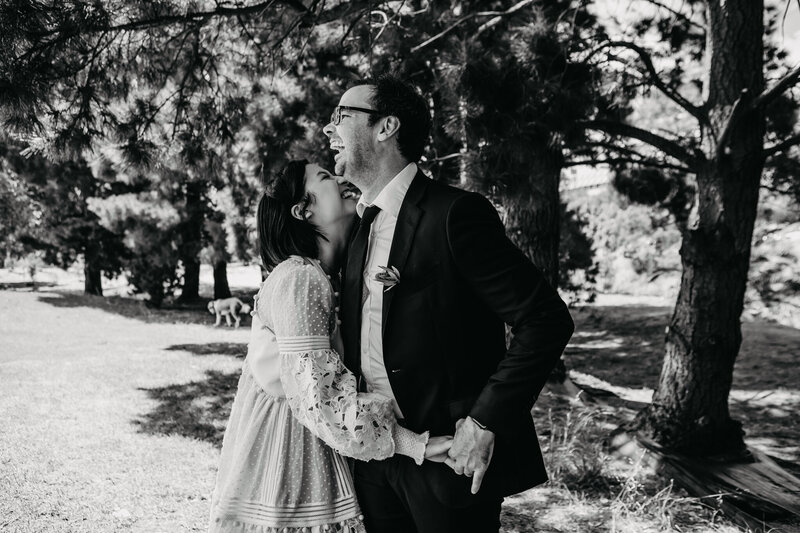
(321,392)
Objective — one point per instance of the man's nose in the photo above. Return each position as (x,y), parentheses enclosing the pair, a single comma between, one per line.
(328,129)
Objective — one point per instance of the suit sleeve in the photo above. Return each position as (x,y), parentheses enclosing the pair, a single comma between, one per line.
(513,288)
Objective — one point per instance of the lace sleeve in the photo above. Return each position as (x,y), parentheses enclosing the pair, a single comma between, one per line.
(321,392)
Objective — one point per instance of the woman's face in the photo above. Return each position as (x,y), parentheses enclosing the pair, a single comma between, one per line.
(329,202)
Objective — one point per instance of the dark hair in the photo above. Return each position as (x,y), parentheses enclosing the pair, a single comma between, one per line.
(279,233)
(393,96)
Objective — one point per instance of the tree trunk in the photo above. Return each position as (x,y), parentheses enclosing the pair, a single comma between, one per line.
(689,412)
(92,279)
(191,280)
(533,211)
(221,288)
(191,240)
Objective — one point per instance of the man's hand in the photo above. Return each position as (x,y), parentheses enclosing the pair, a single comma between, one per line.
(471,451)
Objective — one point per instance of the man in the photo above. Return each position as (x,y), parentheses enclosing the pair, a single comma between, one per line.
(429,282)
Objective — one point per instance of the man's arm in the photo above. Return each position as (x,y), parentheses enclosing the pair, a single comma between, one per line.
(517,292)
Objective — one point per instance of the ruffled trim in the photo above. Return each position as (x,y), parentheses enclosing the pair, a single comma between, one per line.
(227,525)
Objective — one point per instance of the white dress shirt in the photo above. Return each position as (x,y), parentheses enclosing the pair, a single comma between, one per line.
(380,243)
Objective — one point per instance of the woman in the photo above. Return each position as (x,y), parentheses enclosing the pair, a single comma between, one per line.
(297,410)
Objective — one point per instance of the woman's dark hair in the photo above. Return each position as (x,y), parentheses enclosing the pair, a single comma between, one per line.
(279,233)
(393,96)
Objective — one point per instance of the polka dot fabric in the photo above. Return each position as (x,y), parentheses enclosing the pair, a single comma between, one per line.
(296,413)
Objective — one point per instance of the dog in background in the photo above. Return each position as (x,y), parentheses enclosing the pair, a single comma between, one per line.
(229,308)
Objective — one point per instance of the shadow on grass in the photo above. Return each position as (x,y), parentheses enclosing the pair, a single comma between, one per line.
(197,410)
(624,346)
(170,313)
(235,349)
(28,285)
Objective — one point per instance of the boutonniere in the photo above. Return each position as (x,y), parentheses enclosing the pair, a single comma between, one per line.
(388,277)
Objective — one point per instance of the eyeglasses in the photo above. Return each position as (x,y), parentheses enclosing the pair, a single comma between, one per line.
(336,116)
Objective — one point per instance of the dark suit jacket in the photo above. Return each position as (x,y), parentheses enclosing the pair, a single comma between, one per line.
(444,344)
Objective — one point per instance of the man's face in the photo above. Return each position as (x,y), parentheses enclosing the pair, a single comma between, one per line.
(352,138)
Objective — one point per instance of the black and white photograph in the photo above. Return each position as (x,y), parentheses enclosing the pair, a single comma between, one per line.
(406,266)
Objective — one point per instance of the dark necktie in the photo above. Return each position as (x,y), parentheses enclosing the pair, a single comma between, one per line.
(352,290)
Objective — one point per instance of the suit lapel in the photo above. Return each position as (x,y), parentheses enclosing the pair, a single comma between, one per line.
(407,221)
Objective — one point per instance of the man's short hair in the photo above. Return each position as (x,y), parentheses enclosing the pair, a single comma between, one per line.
(392,96)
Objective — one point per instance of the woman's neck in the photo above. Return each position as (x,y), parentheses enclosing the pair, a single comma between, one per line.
(332,250)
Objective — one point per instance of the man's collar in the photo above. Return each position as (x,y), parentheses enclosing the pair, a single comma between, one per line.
(391,197)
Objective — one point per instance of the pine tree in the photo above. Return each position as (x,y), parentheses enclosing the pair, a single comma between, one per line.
(711,174)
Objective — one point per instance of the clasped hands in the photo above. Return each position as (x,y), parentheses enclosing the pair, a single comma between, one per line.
(468,452)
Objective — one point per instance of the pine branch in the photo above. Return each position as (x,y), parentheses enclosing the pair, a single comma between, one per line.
(61,34)
(783,146)
(694,110)
(778,190)
(609,146)
(616,160)
(445,157)
(769,95)
(496,14)
(670,148)
(167,20)
(677,13)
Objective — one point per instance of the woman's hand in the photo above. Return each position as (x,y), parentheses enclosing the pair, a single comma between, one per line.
(437,448)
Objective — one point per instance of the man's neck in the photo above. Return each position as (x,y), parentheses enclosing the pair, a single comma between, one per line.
(383,173)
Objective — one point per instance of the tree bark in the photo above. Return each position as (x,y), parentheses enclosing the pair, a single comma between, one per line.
(221,287)
(191,240)
(533,214)
(92,279)
(689,412)
(191,279)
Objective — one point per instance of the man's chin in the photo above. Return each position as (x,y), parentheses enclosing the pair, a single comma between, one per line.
(339,168)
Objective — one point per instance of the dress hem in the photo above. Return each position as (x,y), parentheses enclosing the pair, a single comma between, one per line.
(229,525)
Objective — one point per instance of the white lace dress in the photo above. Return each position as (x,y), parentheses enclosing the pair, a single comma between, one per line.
(296,413)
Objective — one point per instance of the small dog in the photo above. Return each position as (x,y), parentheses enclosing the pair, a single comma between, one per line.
(228,307)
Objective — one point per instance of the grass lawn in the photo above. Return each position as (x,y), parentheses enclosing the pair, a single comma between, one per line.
(112,416)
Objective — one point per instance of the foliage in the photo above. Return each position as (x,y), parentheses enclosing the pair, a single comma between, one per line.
(20,214)
(635,246)
(149,227)
(773,291)
(577,265)
(49,208)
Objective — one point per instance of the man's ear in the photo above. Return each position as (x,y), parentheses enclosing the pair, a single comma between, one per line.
(389,126)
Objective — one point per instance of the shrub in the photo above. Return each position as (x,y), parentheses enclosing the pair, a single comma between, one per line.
(149,228)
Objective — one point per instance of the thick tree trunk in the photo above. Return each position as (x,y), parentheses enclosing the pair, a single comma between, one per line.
(92,279)
(191,240)
(533,211)
(689,412)
(221,287)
